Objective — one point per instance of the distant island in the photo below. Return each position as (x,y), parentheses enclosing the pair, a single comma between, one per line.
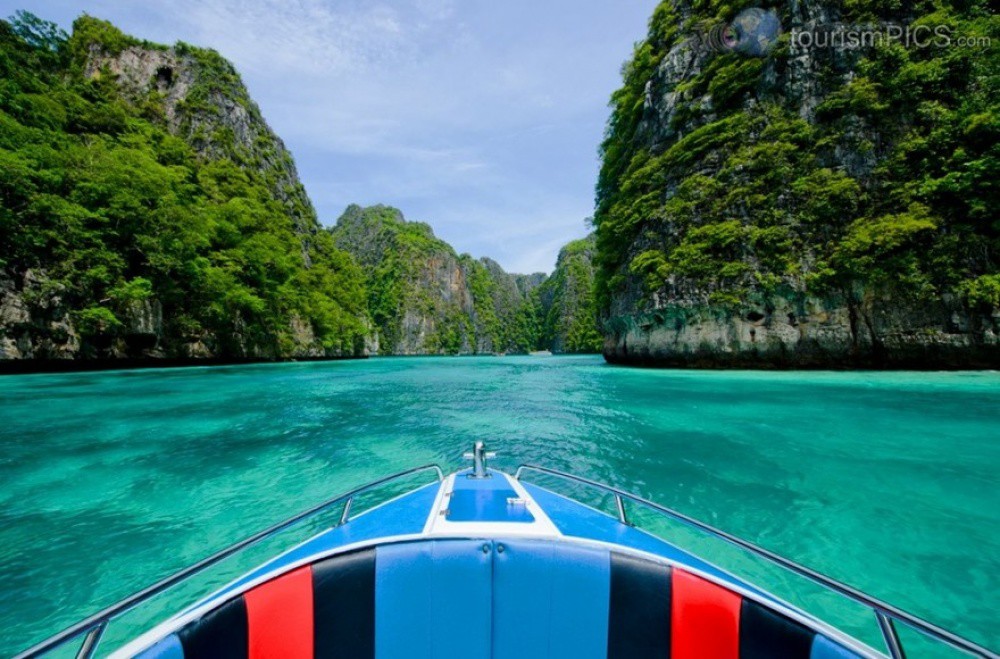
(794,206)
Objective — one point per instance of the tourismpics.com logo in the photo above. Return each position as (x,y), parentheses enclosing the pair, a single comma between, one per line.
(852,37)
(755,31)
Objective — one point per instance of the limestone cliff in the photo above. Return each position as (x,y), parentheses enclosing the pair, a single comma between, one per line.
(150,213)
(426,299)
(199,96)
(569,314)
(769,199)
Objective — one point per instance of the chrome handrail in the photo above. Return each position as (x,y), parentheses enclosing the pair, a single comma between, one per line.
(93,627)
(886,614)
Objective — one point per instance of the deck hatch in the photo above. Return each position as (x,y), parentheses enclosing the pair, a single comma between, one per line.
(486,500)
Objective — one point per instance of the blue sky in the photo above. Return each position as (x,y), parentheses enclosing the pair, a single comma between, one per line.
(481,118)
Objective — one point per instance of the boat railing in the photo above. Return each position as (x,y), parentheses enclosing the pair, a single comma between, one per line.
(887,616)
(92,629)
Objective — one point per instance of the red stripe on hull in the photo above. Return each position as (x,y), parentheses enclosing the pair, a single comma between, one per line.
(280,615)
(704,619)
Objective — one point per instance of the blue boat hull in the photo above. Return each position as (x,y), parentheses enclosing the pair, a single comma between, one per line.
(491,568)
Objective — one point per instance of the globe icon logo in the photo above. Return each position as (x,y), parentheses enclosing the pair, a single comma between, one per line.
(753,32)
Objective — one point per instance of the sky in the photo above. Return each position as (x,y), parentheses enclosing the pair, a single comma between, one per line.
(480,117)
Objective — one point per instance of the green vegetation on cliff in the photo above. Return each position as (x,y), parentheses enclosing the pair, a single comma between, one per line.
(110,210)
(425,298)
(569,323)
(148,211)
(869,173)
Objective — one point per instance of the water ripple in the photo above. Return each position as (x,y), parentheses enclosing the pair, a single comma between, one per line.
(887,480)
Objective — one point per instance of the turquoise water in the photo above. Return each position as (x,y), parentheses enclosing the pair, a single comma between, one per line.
(889,481)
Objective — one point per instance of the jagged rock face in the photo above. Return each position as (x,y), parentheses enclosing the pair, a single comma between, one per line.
(425,298)
(567,301)
(204,102)
(140,70)
(690,277)
(33,320)
(526,284)
(803,333)
(438,302)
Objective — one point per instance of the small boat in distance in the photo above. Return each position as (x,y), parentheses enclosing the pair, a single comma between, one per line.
(484,564)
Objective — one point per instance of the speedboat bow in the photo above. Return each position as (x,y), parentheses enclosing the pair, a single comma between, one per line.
(484,564)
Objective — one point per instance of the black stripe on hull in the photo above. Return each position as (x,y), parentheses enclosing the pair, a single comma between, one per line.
(220,634)
(344,606)
(765,634)
(639,609)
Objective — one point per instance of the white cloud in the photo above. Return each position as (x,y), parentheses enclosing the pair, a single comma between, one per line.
(299,38)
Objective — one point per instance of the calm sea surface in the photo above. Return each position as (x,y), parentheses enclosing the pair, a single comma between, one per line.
(889,481)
